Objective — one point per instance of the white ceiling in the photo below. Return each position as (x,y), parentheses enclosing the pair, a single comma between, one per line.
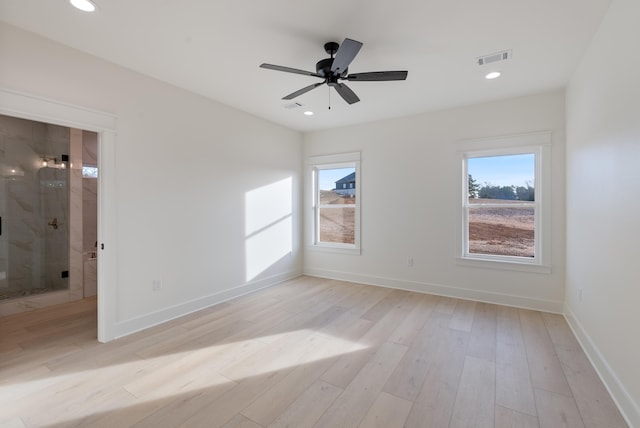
(214,48)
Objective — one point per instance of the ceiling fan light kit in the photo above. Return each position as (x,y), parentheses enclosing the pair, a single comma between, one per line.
(336,68)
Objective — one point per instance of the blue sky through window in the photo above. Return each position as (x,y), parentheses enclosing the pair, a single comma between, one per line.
(516,170)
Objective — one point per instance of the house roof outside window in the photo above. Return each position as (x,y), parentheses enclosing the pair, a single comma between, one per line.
(351,178)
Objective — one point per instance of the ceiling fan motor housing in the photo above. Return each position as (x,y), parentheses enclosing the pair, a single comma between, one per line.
(323,68)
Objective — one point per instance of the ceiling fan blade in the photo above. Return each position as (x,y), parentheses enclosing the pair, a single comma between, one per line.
(346,53)
(288,70)
(302,91)
(378,76)
(346,93)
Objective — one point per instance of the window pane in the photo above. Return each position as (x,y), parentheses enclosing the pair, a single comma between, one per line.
(509,177)
(505,231)
(337,186)
(336,200)
(89,172)
(337,225)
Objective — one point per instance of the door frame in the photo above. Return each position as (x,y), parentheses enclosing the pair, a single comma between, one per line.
(27,106)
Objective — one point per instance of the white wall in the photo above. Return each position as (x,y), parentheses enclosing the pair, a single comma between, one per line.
(186,168)
(411,193)
(603,203)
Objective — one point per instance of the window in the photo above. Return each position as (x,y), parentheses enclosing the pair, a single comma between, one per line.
(336,197)
(501,209)
(89,171)
(504,217)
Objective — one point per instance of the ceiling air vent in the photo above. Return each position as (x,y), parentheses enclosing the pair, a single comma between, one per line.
(292,105)
(494,57)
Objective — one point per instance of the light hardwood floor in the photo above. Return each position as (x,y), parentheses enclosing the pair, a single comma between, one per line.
(308,352)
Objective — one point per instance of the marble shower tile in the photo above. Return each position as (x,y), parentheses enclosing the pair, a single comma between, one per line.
(76,259)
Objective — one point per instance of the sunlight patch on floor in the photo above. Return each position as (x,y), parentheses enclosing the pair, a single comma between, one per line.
(174,374)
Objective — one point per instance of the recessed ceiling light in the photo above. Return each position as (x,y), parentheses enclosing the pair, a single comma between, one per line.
(308,113)
(83,5)
(493,75)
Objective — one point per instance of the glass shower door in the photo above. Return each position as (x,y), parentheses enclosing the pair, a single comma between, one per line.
(54,218)
(34,208)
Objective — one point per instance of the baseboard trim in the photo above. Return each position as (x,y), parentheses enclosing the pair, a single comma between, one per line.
(628,407)
(133,325)
(441,290)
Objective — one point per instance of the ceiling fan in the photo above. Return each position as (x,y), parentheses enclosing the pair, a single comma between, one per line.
(332,70)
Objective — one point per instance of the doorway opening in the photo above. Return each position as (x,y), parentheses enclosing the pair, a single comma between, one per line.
(31,107)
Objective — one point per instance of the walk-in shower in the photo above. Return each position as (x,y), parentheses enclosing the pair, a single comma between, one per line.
(34,208)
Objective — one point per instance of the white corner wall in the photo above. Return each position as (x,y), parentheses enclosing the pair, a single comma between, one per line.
(603,204)
(410,196)
(203,193)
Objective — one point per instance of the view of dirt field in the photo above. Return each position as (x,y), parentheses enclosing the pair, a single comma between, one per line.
(337,224)
(501,231)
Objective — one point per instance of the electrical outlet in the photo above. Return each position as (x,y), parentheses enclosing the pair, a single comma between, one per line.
(410,262)
(156,285)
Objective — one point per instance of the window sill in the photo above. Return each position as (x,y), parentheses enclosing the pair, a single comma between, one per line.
(503,265)
(334,250)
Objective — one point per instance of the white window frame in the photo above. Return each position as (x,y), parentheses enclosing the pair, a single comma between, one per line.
(538,144)
(315,164)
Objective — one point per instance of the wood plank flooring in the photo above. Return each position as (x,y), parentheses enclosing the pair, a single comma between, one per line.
(310,352)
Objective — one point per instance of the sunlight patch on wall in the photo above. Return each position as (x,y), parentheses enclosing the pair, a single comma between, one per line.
(268,226)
